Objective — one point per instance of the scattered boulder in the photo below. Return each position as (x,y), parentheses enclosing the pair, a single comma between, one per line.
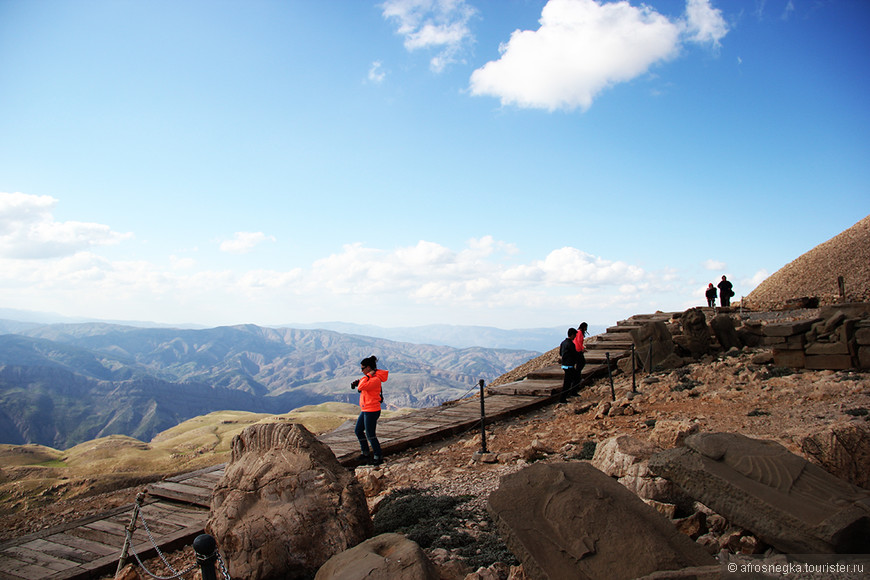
(667,433)
(384,557)
(626,459)
(725,332)
(570,520)
(788,502)
(285,505)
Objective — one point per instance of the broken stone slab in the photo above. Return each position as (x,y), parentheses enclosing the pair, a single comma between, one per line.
(790,328)
(796,359)
(570,520)
(793,505)
(834,362)
(657,334)
(842,449)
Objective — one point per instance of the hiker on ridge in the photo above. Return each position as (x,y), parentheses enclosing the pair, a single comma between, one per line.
(711,295)
(725,292)
(370,399)
(568,358)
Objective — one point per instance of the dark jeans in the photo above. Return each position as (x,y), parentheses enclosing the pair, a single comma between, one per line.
(567,383)
(366,426)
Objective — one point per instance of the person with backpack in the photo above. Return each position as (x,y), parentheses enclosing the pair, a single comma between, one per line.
(568,359)
(370,399)
(725,292)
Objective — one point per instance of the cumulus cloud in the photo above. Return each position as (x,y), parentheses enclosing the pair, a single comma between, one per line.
(244,242)
(28,229)
(439,25)
(714,265)
(704,24)
(582,47)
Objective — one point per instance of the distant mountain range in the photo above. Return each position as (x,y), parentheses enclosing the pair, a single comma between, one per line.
(457,336)
(61,384)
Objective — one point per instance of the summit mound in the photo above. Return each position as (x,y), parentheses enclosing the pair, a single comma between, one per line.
(814,274)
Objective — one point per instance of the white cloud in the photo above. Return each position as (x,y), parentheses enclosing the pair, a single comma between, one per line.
(440,25)
(28,229)
(714,265)
(376,72)
(586,46)
(244,242)
(704,24)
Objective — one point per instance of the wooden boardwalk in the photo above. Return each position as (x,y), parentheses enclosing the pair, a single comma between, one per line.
(175,510)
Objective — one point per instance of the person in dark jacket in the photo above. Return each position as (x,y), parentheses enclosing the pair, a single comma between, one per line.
(568,358)
(725,292)
(711,295)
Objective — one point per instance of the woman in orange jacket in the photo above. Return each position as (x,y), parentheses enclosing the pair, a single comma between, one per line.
(370,399)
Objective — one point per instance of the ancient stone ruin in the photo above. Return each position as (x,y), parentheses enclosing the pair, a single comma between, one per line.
(790,503)
(570,520)
(285,504)
(838,339)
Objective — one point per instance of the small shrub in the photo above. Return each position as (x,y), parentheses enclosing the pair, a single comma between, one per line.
(587,451)
(438,522)
(857,412)
(757,413)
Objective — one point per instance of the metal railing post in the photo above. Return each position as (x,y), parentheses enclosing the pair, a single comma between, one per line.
(633,373)
(482,421)
(610,374)
(205,547)
(128,538)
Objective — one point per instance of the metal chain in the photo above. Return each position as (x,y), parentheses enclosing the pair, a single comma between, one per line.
(223,566)
(176,573)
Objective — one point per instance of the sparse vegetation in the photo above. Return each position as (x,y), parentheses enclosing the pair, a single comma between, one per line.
(439,522)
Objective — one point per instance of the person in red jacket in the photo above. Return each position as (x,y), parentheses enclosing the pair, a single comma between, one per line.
(370,399)
(582,331)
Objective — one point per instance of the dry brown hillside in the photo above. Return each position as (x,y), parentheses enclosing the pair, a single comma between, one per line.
(814,274)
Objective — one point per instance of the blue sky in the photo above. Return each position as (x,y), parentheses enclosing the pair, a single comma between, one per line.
(509,163)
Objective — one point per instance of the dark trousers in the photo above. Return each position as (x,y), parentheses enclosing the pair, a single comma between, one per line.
(567,383)
(366,432)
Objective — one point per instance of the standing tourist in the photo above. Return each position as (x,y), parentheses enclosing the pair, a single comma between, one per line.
(370,399)
(568,358)
(582,331)
(725,292)
(711,295)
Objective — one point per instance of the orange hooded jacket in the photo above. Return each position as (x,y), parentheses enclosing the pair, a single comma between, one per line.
(370,390)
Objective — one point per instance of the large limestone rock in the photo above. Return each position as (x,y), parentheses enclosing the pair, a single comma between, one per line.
(570,520)
(285,505)
(626,459)
(788,502)
(384,557)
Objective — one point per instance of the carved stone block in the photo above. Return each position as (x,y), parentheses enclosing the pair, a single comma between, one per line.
(788,502)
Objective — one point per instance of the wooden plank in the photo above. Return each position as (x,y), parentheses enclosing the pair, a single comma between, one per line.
(13,569)
(181,492)
(98,536)
(59,551)
(82,544)
(39,559)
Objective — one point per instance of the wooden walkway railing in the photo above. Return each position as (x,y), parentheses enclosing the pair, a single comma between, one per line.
(176,509)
